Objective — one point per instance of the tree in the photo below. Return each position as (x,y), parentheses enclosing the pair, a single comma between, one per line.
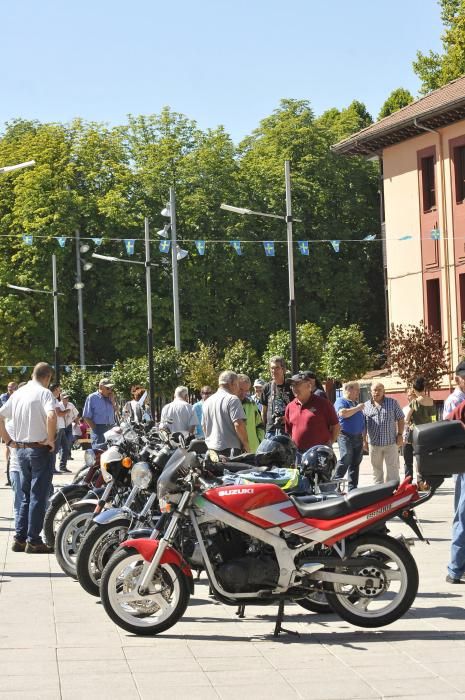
(414,351)
(128,373)
(397,99)
(310,343)
(346,355)
(168,370)
(79,383)
(437,69)
(201,366)
(241,357)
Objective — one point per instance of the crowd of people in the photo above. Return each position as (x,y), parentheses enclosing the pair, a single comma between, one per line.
(38,423)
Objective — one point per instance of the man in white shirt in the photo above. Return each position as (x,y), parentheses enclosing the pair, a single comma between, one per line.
(71,413)
(178,416)
(32,412)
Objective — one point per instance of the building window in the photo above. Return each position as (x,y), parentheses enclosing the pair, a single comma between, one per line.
(428,182)
(433,303)
(462,300)
(459,167)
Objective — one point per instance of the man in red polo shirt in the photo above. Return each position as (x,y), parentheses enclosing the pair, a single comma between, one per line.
(310,420)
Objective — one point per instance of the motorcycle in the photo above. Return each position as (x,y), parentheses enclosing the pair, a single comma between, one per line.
(262,546)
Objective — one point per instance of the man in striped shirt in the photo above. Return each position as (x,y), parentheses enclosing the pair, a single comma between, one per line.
(385,424)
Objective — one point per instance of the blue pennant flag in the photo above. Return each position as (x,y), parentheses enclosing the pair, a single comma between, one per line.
(164,246)
(303,247)
(10,370)
(269,248)
(370,237)
(405,238)
(97,241)
(200,245)
(23,369)
(336,245)
(129,244)
(27,239)
(237,247)
(435,234)
(67,368)
(62,241)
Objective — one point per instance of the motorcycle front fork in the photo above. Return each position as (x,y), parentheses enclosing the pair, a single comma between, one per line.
(149,568)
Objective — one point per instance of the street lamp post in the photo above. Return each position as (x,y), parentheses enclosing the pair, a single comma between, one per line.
(18,166)
(290,256)
(148,283)
(177,253)
(55,294)
(78,287)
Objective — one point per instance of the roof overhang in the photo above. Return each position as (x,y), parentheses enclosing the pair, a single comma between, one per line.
(376,137)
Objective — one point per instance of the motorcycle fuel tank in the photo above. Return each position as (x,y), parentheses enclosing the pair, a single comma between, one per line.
(258,503)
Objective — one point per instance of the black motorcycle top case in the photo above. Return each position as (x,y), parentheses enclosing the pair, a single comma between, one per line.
(440,448)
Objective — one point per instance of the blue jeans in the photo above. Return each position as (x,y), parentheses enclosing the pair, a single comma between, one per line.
(61,447)
(36,481)
(351,455)
(15,478)
(96,435)
(456,566)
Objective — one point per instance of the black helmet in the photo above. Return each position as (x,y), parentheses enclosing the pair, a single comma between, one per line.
(320,460)
(278,450)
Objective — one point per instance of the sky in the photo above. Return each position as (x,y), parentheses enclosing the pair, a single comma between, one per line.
(223,62)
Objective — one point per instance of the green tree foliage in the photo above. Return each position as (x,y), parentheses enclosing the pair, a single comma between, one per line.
(310,342)
(242,357)
(346,355)
(201,367)
(128,373)
(397,99)
(436,69)
(103,181)
(79,383)
(416,351)
(168,370)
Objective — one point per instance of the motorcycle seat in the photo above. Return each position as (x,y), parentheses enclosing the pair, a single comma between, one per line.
(337,507)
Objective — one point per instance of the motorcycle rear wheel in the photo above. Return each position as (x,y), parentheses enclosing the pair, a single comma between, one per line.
(148,615)
(96,549)
(316,602)
(70,535)
(58,510)
(397,573)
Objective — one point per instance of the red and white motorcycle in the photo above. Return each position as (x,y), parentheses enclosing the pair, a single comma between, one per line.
(260,545)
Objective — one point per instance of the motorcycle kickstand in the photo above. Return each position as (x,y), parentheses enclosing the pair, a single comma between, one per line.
(240,612)
(279,622)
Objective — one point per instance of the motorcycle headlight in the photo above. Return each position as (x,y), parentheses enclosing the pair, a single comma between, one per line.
(89,458)
(141,476)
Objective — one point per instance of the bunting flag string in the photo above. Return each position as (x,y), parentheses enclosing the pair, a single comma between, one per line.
(405,238)
(336,245)
(97,241)
(129,245)
(237,247)
(27,238)
(62,241)
(200,245)
(269,248)
(303,247)
(435,234)
(164,246)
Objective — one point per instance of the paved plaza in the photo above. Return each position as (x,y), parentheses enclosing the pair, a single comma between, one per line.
(57,642)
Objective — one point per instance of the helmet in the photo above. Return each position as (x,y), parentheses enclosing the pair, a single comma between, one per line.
(319,460)
(278,450)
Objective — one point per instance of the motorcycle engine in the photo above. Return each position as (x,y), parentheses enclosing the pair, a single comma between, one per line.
(241,563)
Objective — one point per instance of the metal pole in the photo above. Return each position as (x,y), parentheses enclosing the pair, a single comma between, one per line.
(148,284)
(79,297)
(290,266)
(55,318)
(174,263)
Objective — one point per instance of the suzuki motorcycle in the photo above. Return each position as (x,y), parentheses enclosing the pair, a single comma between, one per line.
(262,546)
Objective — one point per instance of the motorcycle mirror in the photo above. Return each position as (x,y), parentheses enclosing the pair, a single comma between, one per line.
(213,456)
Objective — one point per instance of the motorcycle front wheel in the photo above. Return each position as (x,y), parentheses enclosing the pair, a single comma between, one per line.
(70,535)
(96,549)
(156,612)
(392,586)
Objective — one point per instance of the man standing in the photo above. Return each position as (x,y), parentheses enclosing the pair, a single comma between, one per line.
(60,438)
(12,386)
(253,420)
(258,386)
(275,397)
(205,392)
(310,420)
(350,440)
(71,413)
(456,566)
(99,411)
(458,395)
(385,426)
(32,412)
(224,419)
(178,416)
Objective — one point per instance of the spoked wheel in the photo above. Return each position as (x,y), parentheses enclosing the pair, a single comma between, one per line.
(390,589)
(69,537)
(57,512)
(316,602)
(96,549)
(156,612)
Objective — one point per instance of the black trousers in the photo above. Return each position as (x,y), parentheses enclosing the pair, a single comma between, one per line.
(407,451)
